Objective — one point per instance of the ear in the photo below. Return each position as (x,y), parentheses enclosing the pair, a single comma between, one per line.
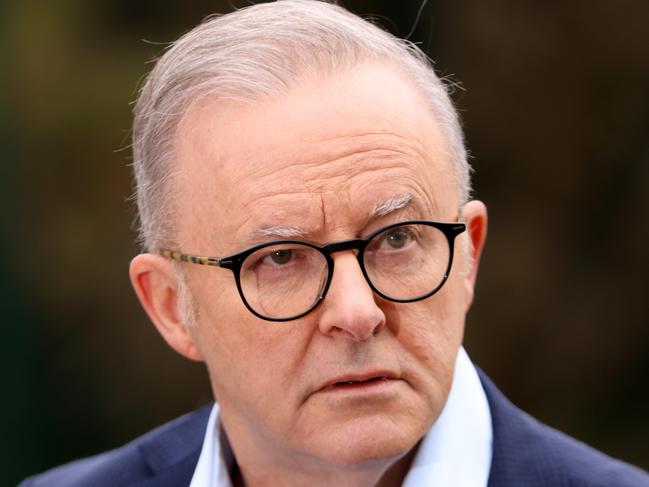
(475,217)
(156,284)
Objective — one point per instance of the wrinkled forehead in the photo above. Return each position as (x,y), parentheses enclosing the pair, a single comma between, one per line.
(323,156)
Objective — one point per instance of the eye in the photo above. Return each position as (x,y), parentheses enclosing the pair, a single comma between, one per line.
(397,238)
(284,257)
(279,257)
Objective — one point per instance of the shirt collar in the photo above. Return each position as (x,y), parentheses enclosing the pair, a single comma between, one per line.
(455,451)
(216,460)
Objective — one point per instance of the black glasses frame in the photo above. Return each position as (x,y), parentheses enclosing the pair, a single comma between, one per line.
(234,262)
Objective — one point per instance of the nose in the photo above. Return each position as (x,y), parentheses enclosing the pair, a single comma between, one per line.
(349,309)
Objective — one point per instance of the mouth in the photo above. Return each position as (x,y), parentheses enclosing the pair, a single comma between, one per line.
(359,382)
(354,383)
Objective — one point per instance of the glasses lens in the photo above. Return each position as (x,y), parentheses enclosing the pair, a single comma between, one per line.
(283,280)
(408,261)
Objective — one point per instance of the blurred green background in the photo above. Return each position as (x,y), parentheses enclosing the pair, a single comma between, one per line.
(555,100)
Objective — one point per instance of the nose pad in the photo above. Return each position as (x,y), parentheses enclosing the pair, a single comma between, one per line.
(350,308)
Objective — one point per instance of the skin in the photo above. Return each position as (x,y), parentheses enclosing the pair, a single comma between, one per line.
(319,158)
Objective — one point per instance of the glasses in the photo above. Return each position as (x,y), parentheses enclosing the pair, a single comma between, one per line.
(287,279)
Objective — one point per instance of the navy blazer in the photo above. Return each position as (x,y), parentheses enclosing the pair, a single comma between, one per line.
(526,453)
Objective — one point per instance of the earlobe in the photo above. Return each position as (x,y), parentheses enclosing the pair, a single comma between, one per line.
(475,217)
(155,283)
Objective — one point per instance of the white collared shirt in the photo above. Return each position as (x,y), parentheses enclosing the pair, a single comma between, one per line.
(455,452)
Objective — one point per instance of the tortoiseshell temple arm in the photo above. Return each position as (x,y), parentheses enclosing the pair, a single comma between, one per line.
(194,259)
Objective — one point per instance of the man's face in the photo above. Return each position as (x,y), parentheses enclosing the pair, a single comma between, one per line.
(318,163)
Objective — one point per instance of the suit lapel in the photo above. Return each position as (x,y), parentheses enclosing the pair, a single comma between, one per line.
(518,458)
(172,454)
(177,475)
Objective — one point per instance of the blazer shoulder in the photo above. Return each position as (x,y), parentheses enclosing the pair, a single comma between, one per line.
(583,465)
(528,452)
(177,442)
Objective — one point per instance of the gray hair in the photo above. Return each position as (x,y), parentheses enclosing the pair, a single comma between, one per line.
(251,55)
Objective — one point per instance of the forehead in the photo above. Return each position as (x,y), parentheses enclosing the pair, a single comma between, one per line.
(319,158)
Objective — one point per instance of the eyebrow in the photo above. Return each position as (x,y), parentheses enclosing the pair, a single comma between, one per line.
(281,232)
(380,209)
(390,206)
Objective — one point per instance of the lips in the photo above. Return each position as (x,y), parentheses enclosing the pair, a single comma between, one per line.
(349,381)
(353,383)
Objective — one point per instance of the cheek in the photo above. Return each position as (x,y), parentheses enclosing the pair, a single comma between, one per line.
(430,338)
(435,325)
(253,364)
(429,335)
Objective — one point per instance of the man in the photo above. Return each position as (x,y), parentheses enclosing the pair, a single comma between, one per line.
(303,193)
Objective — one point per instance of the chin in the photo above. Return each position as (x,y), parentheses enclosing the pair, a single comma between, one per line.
(365,441)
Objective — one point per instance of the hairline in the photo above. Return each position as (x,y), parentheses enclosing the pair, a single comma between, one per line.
(414,69)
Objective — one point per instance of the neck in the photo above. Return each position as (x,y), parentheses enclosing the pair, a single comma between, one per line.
(389,473)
